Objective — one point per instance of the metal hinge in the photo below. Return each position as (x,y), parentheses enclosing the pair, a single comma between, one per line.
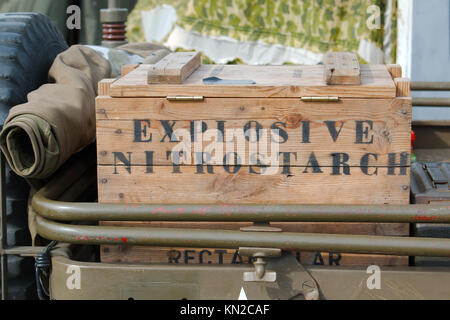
(185,98)
(320,99)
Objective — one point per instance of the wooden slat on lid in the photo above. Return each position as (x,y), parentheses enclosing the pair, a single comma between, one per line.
(174,68)
(341,68)
(270,81)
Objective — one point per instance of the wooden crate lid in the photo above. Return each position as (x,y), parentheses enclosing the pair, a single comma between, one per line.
(269,81)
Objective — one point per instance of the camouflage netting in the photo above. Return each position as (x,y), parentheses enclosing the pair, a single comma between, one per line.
(314,25)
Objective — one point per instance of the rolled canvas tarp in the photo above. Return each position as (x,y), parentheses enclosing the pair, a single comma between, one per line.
(59,118)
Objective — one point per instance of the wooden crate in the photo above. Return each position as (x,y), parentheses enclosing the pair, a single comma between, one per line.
(333,144)
(343,138)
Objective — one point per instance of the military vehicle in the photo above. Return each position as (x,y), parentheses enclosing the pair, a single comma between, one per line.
(66,262)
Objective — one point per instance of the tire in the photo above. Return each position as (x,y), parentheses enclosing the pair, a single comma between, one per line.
(29,42)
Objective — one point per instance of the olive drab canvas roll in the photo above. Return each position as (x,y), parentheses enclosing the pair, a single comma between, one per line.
(59,117)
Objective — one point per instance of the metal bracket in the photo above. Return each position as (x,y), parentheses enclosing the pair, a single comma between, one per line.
(259,254)
(289,268)
(260,227)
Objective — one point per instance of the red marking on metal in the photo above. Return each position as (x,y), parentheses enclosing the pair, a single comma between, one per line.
(80,238)
(159,210)
(202,211)
(228,205)
(124,240)
(425,218)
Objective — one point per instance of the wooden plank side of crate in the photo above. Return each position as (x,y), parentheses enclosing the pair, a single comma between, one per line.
(286,109)
(270,81)
(291,185)
(142,254)
(117,139)
(380,229)
(354,126)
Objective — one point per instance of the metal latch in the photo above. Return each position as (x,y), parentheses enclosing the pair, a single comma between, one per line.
(185,98)
(289,268)
(259,254)
(438,179)
(320,99)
